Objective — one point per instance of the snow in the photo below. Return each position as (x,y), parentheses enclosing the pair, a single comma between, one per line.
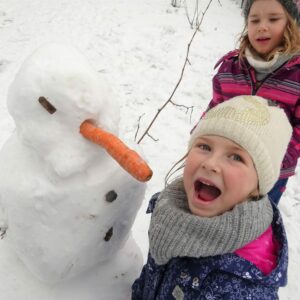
(139,48)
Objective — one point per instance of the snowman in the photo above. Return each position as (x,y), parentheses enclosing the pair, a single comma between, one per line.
(66,206)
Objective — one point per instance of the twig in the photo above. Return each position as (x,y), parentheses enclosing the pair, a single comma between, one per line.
(187,108)
(187,14)
(181,75)
(174,3)
(151,137)
(138,127)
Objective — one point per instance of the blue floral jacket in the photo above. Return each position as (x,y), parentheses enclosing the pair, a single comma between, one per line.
(225,276)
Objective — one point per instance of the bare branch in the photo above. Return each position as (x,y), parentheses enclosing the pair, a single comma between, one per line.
(181,75)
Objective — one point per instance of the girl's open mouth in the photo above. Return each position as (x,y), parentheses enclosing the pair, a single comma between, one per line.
(206,192)
(262,39)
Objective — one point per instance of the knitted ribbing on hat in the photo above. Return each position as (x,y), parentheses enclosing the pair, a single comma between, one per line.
(292,7)
(176,232)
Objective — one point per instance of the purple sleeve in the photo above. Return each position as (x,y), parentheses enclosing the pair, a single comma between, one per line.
(293,151)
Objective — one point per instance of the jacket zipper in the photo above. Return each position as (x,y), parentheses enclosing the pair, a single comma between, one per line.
(255,85)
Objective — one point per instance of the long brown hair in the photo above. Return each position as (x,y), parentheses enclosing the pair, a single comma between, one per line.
(290,43)
(177,166)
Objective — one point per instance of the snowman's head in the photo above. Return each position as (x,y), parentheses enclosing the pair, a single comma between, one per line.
(54,91)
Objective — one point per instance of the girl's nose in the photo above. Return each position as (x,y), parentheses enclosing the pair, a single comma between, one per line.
(262,26)
(211,164)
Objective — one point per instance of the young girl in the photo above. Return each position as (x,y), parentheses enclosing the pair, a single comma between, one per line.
(267,64)
(214,233)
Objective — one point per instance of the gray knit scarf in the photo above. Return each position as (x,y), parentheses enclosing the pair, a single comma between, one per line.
(174,231)
(264,68)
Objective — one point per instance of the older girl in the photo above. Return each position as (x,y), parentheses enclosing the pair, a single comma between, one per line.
(267,64)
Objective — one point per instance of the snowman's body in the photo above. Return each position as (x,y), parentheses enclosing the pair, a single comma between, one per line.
(67,207)
(109,280)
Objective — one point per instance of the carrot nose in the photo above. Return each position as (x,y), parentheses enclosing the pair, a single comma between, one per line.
(127,158)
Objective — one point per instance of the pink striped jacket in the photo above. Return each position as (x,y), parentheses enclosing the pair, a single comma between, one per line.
(235,77)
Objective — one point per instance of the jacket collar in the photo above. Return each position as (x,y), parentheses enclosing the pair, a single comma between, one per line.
(235,53)
(238,266)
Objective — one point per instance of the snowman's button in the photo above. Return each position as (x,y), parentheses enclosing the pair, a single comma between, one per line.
(111,196)
(2,232)
(109,234)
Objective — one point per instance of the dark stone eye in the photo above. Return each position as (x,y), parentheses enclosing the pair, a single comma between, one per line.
(111,196)
(108,234)
(47,105)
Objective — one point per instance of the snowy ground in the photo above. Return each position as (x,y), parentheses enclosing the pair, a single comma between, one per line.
(141,47)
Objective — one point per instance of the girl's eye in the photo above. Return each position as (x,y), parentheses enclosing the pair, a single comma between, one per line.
(254,21)
(236,157)
(274,19)
(204,147)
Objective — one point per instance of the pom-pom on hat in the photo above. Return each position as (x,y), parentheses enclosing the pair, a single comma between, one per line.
(264,131)
(291,6)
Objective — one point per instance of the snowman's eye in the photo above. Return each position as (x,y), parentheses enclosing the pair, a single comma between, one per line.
(47,105)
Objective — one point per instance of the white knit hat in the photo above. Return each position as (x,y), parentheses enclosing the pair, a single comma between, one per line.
(263,131)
